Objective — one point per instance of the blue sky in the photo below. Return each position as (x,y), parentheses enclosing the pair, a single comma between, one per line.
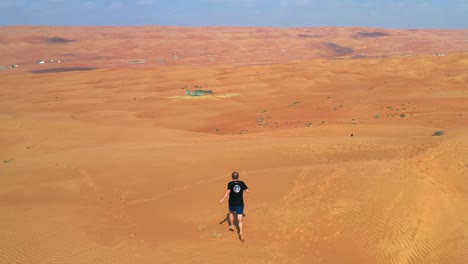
(277,13)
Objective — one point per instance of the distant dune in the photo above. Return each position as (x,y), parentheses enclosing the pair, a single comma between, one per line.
(353,141)
(113,46)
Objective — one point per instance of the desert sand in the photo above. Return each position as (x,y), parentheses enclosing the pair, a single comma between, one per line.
(105,161)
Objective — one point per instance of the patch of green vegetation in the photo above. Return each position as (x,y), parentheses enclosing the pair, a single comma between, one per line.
(377,116)
(216,234)
(308,124)
(217,130)
(402,115)
(198,92)
(322,122)
(438,133)
(260,121)
(390,107)
(264,111)
(293,104)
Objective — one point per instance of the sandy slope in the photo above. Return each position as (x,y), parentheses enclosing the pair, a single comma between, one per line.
(112,166)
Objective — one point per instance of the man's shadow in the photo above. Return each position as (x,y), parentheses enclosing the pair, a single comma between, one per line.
(236,222)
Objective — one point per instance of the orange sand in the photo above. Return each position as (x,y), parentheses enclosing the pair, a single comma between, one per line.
(113,166)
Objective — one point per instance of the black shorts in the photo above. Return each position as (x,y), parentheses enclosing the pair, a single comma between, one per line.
(238,209)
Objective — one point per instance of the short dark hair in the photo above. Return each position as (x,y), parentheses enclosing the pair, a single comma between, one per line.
(235,175)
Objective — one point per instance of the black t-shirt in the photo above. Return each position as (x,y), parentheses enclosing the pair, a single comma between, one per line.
(237,189)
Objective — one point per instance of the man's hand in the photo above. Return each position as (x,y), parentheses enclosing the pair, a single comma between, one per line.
(226,194)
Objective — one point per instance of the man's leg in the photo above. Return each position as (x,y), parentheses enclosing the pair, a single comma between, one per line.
(231,221)
(240,218)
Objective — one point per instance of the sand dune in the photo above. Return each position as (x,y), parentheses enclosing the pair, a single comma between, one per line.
(113,165)
(117,46)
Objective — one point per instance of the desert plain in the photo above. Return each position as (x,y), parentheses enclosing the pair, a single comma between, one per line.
(353,142)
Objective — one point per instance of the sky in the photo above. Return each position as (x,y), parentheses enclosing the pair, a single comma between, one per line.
(270,13)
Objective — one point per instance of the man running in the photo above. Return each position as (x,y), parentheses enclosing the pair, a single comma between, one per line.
(235,190)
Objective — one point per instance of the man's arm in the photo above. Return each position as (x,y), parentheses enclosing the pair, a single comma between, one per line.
(226,194)
(246,188)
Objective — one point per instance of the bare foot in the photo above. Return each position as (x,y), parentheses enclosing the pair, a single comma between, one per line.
(231,228)
(241,237)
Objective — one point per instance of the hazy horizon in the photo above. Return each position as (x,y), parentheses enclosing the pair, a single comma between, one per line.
(429,14)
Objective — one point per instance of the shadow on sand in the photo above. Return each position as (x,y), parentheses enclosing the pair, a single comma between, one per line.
(56,70)
(236,223)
